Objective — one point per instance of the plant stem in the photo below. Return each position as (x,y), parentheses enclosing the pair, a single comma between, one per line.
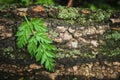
(29,24)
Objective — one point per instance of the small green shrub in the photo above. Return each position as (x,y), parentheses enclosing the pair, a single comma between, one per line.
(33,35)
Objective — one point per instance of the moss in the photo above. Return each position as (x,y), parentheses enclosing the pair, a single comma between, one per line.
(8,53)
(54,33)
(100,15)
(68,13)
(111,46)
(73,15)
(66,53)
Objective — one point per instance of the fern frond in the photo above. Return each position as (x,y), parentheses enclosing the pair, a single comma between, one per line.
(33,35)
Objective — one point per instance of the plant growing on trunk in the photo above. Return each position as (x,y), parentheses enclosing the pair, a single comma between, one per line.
(32,33)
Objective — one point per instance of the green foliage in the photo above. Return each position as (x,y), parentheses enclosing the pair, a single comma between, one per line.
(6,1)
(28,2)
(33,35)
(49,2)
(92,7)
(25,2)
(112,43)
(102,4)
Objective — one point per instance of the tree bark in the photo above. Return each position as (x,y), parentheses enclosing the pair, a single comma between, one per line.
(70,3)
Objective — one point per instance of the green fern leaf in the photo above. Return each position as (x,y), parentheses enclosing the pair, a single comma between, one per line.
(37,36)
(22,26)
(45,39)
(50,54)
(50,47)
(49,64)
(40,28)
(32,47)
(38,56)
(21,41)
(43,60)
(32,33)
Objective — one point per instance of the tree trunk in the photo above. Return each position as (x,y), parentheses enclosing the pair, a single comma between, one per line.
(70,3)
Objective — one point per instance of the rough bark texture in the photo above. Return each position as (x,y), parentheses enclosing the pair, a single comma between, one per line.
(71,39)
